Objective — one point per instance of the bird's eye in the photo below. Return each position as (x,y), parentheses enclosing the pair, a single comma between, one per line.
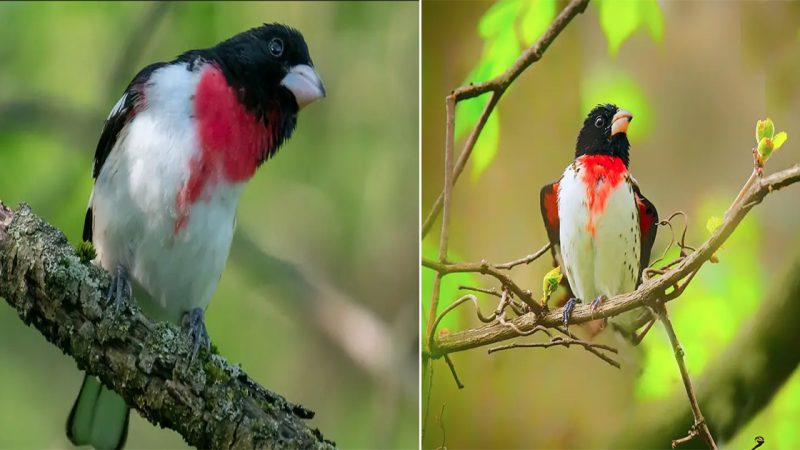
(276,47)
(599,122)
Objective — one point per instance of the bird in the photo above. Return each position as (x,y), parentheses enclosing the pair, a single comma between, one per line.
(169,168)
(600,226)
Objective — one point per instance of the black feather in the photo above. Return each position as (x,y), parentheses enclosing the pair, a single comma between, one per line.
(599,141)
(88,225)
(117,121)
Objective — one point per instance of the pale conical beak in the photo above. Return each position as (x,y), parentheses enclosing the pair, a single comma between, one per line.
(304,83)
(620,121)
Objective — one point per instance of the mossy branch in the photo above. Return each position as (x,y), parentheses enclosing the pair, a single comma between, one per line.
(210,402)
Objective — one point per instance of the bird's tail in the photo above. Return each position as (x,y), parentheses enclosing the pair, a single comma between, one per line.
(99,417)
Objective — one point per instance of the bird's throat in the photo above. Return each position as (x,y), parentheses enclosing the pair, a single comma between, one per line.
(601,174)
(232,141)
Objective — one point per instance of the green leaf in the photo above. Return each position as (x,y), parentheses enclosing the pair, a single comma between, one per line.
(500,51)
(713,223)
(448,290)
(608,85)
(779,139)
(765,147)
(619,19)
(537,18)
(499,18)
(652,16)
(486,147)
(501,48)
(550,283)
(764,129)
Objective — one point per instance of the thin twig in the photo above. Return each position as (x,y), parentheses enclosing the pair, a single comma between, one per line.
(699,427)
(488,291)
(648,292)
(563,342)
(692,434)
(428,399)
(678,290)
(743,191)
(453,371)
(557,341)
(448,187)
(441,427)
(525,259)
(485,268)
(569,334)
(637,337)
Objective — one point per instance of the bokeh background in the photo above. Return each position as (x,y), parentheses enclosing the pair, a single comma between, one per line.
(697,76)
(318,299)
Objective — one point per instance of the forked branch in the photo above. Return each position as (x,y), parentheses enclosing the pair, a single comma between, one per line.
(650,291)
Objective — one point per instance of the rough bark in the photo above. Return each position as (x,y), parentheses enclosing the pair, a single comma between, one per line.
(210,402)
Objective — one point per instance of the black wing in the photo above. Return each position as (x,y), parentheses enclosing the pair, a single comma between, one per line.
(120,115)
(548,199)
(648,225)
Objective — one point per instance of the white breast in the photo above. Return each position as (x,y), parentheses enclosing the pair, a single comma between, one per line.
(606,262)
(134,204)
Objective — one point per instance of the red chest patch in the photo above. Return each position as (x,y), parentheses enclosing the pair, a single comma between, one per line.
(231,141)
(601,174)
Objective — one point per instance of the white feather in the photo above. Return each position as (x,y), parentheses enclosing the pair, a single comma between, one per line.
(606,263)
(134,204)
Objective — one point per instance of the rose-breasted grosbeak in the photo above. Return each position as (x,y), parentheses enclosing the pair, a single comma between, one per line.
(170,165)
(600,225)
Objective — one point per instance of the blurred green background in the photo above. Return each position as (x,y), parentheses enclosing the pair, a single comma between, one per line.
(318,299)
(696,76)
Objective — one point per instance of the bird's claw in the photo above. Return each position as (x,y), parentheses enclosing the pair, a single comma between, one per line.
(596,302)
(568,307)
(194,324)
(119,291)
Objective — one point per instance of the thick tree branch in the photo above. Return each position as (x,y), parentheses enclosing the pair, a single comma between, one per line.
(648,293)
(210,402)
(498,86)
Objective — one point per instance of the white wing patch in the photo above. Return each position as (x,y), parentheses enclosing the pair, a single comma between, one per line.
(119,107)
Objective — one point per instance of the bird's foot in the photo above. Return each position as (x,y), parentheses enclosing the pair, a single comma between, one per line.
(568,307)
(119,291)
(194,324)
(596,302)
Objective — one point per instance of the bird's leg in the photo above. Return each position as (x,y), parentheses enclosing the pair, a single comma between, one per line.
(194,324)
(568,309)
(596,302)
(119,291)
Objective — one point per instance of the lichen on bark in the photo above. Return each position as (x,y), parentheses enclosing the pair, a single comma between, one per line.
(209,401)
